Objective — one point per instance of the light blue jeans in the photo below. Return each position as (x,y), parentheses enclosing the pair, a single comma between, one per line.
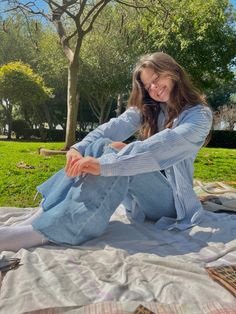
(79,209)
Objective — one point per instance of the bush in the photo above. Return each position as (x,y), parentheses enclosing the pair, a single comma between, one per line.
(80,135)
(48,135)
(28,133)
(43,134)
(219,139)
(222,139)
(55,135)
(59,135)
(18,126)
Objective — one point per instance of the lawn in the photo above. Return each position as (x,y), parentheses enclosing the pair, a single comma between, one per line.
(216,164)
(17,185)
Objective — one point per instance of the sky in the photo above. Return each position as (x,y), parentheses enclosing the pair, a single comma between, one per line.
(232,1)
(42,4)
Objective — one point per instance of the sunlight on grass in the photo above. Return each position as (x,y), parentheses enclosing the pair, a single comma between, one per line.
(17,185)
(216,164)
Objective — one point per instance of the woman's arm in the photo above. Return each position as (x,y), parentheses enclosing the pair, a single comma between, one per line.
(163,149)
(117,129)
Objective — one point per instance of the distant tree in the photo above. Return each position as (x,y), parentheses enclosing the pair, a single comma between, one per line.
(51,64)
(227,115)
(73,21)
(221,94)
(104,72)
(19,40)
(86,118)
(20,86)
(199,34)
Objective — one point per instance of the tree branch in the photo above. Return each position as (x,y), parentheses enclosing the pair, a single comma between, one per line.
(94,110)
(89,28)
(4,107)
(61,9)
(27,8)
(136,6)
(64,41)
(82,6)
(100,3)
(72,35)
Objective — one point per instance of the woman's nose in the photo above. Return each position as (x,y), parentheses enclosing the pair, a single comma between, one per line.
(153,86)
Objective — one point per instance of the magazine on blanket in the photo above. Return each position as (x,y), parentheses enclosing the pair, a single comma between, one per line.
(8,263)
(216,196)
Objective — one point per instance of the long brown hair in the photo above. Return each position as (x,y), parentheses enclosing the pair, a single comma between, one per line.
(183,94)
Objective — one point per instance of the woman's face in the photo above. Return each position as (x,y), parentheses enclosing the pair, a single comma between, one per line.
(159,87)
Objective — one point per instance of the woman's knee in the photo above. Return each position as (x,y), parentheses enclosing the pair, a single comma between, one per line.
(96,149)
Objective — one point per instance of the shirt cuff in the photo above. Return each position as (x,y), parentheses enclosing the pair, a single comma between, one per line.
(109,171)
(108,167)
(79,148)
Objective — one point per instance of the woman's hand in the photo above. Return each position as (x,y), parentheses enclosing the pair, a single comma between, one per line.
(84,165)
(117,145)
(72,157)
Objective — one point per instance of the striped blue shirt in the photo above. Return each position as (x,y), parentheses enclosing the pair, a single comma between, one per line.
(172,149)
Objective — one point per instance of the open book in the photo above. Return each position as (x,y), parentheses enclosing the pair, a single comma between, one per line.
(224,275)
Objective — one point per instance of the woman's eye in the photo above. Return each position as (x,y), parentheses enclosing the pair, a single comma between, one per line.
(155,81)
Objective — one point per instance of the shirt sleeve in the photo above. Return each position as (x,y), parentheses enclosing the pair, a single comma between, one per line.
(163,149)
(117,129)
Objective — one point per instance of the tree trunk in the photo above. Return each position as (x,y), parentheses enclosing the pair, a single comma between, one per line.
(72,104)
(101,118)
(7,108)
(119,104)
(48,116)
(9,122)
(105,111)
(9,118)
(27,118)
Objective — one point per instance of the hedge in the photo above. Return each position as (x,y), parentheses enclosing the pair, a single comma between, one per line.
(222,139)
(47,134)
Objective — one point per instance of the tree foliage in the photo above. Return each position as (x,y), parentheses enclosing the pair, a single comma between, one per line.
(199,34)
(105,68)
(20,86)
(19,39)
(36,44)
(63,14)
(222,94)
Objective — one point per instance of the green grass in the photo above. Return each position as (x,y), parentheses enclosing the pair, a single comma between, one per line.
(216,164)
(17,185)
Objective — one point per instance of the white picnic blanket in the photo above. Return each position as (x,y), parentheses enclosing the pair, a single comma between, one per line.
(130,264)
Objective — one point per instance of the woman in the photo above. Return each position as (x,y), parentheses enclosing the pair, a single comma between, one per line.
(152,177)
